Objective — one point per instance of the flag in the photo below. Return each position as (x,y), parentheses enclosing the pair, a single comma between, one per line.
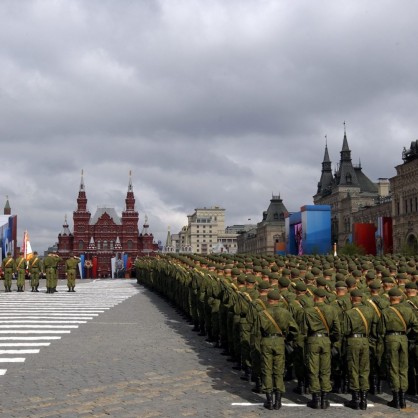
(27,249)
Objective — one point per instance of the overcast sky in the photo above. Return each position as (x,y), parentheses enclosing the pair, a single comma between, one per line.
(207,102)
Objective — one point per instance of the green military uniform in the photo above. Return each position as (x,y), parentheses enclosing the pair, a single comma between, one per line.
(275,324)
(35,270)
(358,326)
(396,321)
(8,266)
(320,326)
(412,303)
(51,262)
(21,272)
(296,308)
(71,272)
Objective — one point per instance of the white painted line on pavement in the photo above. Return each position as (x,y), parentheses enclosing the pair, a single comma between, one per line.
(24,344)
(37,326)
(19,317)
(12,360)
(3,372)
(30,321)
(19,351)
(35,331)
(29,338)
(288,404)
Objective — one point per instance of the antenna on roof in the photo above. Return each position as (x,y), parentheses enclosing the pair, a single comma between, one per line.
(326,140)
(344,128)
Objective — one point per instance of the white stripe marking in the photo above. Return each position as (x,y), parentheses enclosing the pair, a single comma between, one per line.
(41,322)
(45,331)
(3,372)
(29,338)
(19,351)
(288,404)
(24,344)
(38,326)
(12,360)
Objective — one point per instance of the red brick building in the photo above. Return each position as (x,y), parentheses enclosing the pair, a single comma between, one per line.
(105,235)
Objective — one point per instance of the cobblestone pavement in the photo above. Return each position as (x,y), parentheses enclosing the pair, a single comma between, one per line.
(138,358)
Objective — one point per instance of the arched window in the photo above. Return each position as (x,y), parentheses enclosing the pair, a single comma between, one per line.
(80,244)
(130,244)
(99,244)
(105,245)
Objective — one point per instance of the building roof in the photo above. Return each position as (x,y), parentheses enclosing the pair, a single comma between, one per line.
(101,211)
(276,210)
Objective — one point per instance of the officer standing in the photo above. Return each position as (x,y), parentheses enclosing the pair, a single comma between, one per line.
(8,266)
(71,271)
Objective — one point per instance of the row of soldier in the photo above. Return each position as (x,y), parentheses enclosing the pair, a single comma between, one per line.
(340,324)
(36,268)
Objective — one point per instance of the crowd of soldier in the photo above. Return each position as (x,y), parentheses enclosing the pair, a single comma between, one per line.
(36,268)
(340,324)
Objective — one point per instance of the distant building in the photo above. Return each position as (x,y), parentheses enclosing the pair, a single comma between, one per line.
(204,233)
(346,191)
(105,235)
(267,234)
(405,201)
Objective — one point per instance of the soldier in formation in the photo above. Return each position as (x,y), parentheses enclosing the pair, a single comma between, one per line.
(8,267)
(340,324)
(71,265)
(35,267)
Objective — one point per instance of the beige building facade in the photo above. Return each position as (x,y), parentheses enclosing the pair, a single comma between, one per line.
(262,239)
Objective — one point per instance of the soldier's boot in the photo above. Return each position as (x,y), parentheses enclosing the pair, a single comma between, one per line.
(54,290)
(363,400)
(300,388)
(402,401)
(395,403)
(69,289)
(355,401)
(32,289)
(324,400)
(315,402)
(36,289)
(277,400)
(257,387)
(268,404)
(73,289)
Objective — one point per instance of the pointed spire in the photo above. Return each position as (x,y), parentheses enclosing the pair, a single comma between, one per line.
(168,241)
(7,208)
(130,188)
(345,142)
(82,181)
(65,227)
(145,227)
